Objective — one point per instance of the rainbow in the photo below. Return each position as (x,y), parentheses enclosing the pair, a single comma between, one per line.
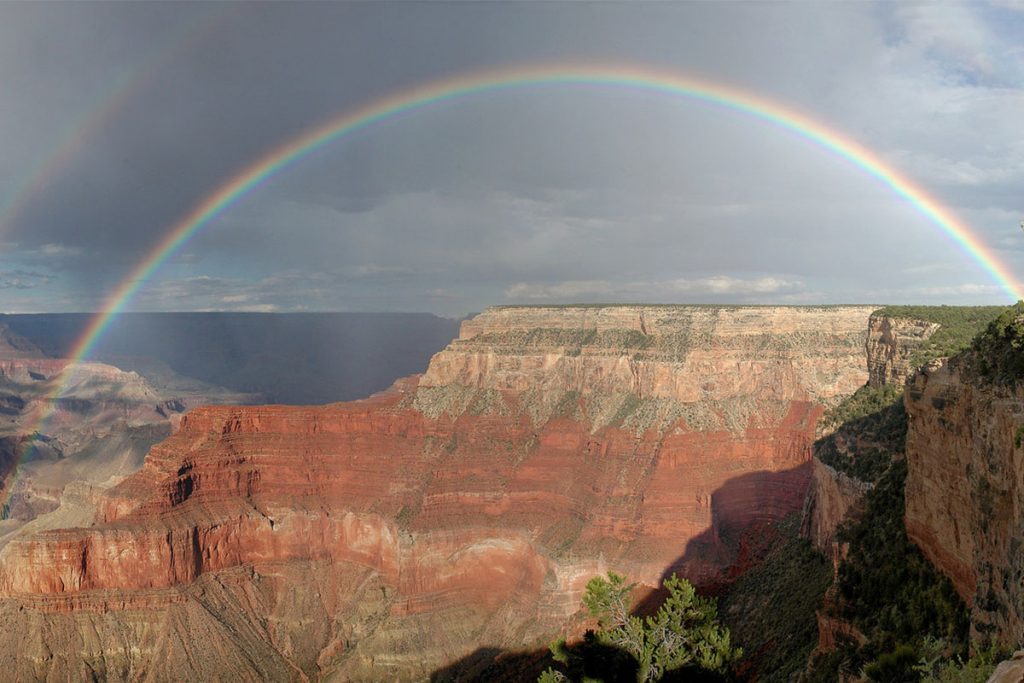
(492,81)
(101,110)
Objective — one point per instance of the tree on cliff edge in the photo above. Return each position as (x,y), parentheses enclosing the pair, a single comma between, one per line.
(683,638)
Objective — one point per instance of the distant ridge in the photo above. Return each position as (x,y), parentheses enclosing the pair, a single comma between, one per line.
(14,346)
(296,358)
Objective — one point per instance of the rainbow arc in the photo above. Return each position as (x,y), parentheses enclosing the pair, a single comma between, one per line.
(422,96)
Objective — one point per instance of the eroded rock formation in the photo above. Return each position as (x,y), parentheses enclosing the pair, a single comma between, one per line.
(964,489)
(381,538)
(891,342)
(97,429)
(831,497)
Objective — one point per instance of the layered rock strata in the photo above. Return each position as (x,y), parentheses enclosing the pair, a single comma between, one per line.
(964,492)
(94,422)
(891,343)
(465,508)
(832,494)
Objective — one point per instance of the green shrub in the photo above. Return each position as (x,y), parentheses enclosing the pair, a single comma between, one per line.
(864,402)
(894,667)
(935,665)
(998,353)
(887,587)
(682,636)
(871,431)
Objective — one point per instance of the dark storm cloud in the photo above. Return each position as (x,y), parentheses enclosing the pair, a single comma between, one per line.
(534,194)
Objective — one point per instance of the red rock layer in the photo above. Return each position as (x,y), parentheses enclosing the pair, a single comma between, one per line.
(417,534)
(964,489)
(244,485)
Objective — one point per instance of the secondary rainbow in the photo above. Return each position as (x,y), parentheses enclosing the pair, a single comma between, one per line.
(479,83)
(101,111)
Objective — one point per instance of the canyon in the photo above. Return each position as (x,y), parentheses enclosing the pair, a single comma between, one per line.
(95,430)
(461,509)
(964,495)
(833,496)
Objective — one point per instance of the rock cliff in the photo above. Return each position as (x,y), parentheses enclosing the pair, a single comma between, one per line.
(834,494)
(891,342)
(98,429)
(831,497)
(964,492)
(465,508)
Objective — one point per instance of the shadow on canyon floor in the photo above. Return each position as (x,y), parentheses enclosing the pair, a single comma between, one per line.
(592,661)
(741,510)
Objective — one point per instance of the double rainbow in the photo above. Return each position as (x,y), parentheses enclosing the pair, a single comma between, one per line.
(612,76)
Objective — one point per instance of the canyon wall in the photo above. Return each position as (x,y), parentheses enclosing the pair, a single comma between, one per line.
(964,492)
(891,342)
(833,494)
(831,497)
(464,508)
(97,429)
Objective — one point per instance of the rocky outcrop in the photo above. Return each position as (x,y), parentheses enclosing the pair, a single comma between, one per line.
(1010,671)
(830,498)
(13,345)
(468,507)
(964,489)
(97,429)
(891,342)
(833,495)
(686,353)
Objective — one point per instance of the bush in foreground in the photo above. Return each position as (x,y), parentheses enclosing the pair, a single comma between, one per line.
(683,639)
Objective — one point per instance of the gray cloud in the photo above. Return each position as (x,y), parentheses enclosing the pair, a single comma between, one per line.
(22,279)
(604,290)
(572,192)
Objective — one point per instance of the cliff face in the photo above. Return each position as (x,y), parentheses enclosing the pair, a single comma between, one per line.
(465,508)
(891,342)
(99,428)
(834,494)
(830,498)
(964,494)
(686,354)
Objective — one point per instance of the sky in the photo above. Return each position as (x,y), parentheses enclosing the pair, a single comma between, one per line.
(119,118)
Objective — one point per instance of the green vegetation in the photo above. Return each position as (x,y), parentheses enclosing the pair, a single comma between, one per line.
(864,402)
(914,625)
(958,326)
(931,663)
(998,353)
(405,516)
(683,638)
(934,667)
(890,592)
(770,610)
(947,316)
(872,428)
(630,404)
(567,405)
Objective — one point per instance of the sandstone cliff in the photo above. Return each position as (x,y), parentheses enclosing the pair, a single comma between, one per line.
(380,538)
(98,429)
(891,342)
(964,492)
(834,494)
(831,497)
